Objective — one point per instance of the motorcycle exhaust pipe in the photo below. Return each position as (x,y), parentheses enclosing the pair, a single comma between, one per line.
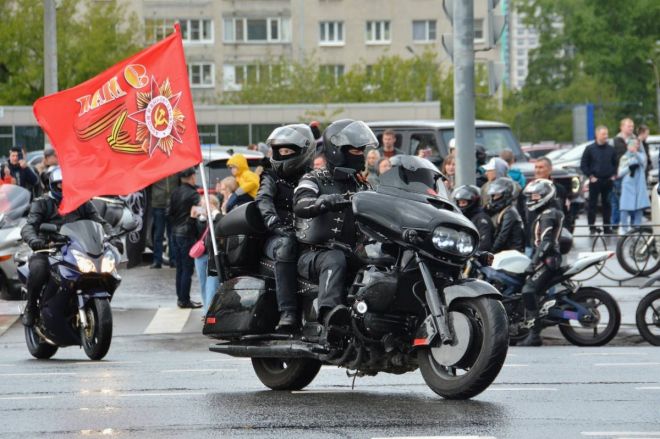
(289,350)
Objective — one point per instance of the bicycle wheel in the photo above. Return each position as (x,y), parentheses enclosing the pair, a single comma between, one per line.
(647,317)
(637,252)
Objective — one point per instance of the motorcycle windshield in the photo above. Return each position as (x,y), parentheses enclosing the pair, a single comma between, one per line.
(14,202)
(415,174)
(87,234)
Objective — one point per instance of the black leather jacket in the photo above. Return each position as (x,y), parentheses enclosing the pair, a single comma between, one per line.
(546,231)
(275,200)
(320,228)
(44,210)
(509,231)
(485,227)
(182,200)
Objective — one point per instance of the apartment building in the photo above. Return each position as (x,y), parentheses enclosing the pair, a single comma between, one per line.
(227,42)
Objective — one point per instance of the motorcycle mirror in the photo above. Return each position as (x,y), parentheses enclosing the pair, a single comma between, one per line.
(48,228)
(129,225)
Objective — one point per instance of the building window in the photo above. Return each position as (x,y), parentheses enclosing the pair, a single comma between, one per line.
(197,31)
(520,52)
(479,30)
(331,32)
(334,71)
(201,74)
(158,28)
(424,31)
(533,41)
(235,76)
(520,41)
(521,63)
(207,134)
(378,32)
(521,73)
(257,30)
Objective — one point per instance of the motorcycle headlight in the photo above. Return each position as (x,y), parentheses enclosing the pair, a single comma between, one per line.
(453,241)
(109,263)
(85,264)
(575,185)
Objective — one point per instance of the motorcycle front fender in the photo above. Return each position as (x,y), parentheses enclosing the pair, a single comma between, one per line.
(470,289)
(86,297)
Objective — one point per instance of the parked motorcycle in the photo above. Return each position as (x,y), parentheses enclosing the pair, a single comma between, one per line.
(647,315)
(14,204)
(409,307)
(74,306)
(586,316)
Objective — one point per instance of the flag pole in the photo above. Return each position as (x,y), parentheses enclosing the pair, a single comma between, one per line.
(210,219)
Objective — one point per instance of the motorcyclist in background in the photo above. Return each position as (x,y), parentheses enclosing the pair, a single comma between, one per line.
(546,259)
(509,227)
(468,199)
(324,221)
(293,147)
(45,210)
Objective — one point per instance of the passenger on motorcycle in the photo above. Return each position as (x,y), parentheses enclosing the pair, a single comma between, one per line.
(324,220)
(293,147)
(468,199)
(44,210)
(546,259)
(509,228)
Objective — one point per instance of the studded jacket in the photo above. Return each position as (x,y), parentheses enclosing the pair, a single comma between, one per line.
(320,229)
(275,200)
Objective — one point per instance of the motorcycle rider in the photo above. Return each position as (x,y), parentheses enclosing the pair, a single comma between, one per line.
(509,228)
(45,210)
(546,259)
(293,147)
(468,199)
(324,219)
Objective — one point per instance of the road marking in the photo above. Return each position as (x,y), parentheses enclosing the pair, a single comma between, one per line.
(36,374)
(227,359)
(516,365)
(608,354)
(18,398)
(130,395)
(621,433)
(438,437)
(522,389)
(104,363)
(197,370)
(625,364)
(648,388)
(310,392)
(168,320)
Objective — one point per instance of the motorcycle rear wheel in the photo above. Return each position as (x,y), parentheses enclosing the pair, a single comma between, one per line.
(587,334)
(647,317)
(286,373)
(37,346)
(483,360)
(97,336)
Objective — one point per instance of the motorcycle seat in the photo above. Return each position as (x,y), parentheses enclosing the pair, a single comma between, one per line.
(305,287)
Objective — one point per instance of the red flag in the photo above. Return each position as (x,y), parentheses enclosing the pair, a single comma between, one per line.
(125,128)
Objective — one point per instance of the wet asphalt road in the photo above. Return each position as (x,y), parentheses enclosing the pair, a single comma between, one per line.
(172,386)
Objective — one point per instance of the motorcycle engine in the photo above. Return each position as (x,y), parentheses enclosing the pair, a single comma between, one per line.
(377,289)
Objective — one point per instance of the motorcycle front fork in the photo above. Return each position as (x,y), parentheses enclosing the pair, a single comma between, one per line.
(439,313)
(82,315)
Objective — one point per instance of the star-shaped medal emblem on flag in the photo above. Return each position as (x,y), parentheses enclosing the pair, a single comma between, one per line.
(159,120)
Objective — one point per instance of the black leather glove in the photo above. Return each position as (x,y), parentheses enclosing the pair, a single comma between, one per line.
(117,244)
(38,244)
(334,202)
(530,269)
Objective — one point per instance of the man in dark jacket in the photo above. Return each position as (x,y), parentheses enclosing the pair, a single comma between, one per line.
(600,166)
(161,191)
(388,141)
(468,199)
(45,210)
(293,147)
(509,228)
(324,221)
(184,235)
(24,175)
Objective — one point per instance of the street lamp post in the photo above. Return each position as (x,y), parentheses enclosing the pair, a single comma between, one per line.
(657,89)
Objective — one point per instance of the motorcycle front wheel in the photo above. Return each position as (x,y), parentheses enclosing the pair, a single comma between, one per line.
(38,347)
(468,366)
(97,336)
(647,317)
(286,373)
(603,324)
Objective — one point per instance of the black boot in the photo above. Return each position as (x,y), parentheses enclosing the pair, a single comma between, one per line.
(30,314)
(288,322)
(533,338)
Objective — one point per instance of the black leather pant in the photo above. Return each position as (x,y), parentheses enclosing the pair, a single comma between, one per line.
(283,250)
(38,277)
(328,268)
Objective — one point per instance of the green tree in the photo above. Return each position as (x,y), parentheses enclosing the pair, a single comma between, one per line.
(91,36)
(597,55)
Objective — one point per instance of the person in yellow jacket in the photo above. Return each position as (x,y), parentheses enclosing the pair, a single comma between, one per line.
(248,181)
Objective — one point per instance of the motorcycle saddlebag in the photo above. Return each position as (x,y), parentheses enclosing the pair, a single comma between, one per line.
(243,305)
(241,236)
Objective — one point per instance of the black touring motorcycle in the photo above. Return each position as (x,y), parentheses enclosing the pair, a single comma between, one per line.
(409,305)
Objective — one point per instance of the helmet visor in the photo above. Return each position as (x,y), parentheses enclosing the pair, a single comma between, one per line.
(289,136)
(357,135)
(55,175)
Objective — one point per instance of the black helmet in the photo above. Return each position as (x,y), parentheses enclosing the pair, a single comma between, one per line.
(297,137)
(545,191)
(342,135)
(468,193)
(55,183)
(480,154)
(500,194)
